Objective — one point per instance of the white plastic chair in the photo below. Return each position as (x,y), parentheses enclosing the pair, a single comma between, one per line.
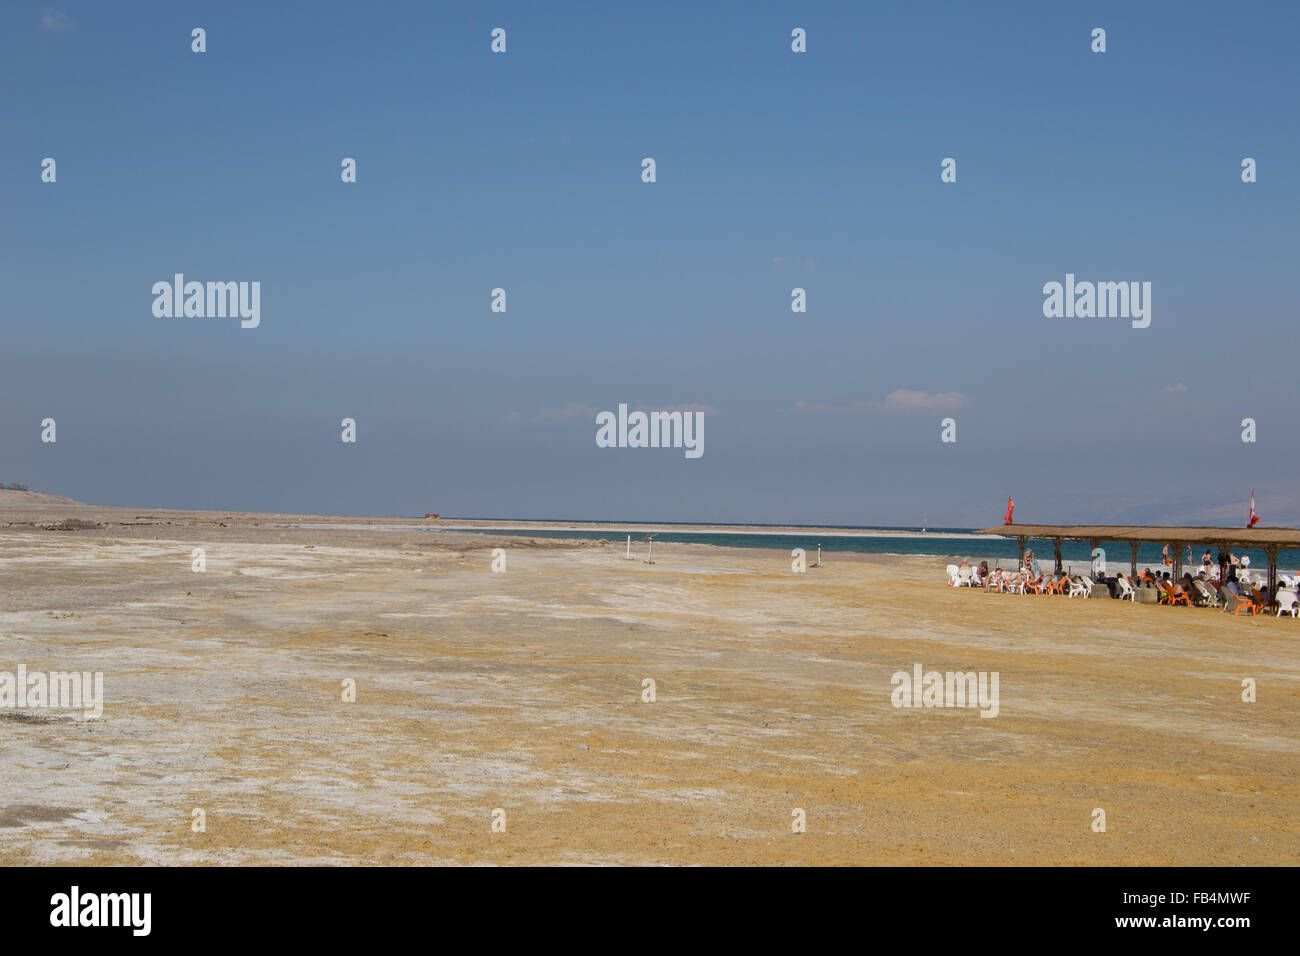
(1208,595)
(965,575)
(1082,587)
(1286,604)
(952,575)
(1127,591)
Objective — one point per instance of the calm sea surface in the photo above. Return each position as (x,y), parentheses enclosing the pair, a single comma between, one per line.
(939,542)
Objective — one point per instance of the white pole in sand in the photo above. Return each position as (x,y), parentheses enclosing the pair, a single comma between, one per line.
(629,547)
(819,555)
(651,539)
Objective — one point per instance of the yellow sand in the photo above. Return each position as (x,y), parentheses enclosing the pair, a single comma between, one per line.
(523,691)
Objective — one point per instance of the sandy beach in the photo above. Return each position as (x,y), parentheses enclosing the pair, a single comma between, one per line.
(523,691)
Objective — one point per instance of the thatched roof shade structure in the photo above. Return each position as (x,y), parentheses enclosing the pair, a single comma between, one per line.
(1268,540)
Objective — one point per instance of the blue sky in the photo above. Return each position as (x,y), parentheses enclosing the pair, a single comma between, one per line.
(775,170)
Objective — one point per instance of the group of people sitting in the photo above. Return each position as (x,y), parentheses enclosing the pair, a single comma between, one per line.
(1205,589)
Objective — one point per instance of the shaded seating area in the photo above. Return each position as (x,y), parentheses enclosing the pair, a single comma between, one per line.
(1230,586)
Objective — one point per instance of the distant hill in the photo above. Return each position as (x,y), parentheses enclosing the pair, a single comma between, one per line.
(31,499)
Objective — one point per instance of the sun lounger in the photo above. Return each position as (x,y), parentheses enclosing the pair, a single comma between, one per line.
(1208,598)
(1286,604)
(1235,604)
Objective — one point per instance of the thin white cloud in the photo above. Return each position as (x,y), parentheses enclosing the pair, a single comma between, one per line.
(705,409)
(571,410)
(552,415)
(900,401)
(1180,387)
(52,19)
(549,416)
(905,400)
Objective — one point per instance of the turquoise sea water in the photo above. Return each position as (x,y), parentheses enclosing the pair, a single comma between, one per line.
(939,542)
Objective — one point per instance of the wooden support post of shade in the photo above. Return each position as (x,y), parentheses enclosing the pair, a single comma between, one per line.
(1272,572)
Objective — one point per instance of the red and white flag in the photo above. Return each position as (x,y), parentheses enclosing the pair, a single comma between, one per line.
(1252,518)
(1011,507)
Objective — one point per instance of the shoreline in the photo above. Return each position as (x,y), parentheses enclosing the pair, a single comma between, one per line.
(12,508)
(523,527)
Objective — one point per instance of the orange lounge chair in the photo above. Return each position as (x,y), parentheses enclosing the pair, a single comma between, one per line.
(1171,597)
